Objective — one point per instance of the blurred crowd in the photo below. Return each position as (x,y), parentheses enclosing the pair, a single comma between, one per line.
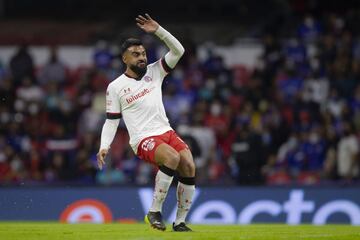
(292,119)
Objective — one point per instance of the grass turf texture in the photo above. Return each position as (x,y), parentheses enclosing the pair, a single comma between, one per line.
(54,231)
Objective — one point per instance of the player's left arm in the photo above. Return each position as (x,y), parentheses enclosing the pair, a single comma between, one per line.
(171,58)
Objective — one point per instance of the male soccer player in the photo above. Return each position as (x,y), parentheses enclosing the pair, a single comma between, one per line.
(136,97)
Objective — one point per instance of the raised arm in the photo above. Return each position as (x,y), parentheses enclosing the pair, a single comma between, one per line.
(149,25)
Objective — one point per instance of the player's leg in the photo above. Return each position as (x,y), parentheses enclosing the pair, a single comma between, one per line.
(167,159)
(186,166)
(186,182)
(185,189)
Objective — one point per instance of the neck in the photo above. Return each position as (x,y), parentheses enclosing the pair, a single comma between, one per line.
(131,73)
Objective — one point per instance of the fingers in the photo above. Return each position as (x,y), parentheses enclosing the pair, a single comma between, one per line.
(146,23)
(100,160)
(140,25)
(100,163)
(148,16)
(142,20)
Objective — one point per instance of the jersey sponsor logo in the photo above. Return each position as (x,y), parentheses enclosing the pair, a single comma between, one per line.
(135,97)
(147,79)
(148,144)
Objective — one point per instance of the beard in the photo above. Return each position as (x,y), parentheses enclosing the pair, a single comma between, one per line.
(140,71)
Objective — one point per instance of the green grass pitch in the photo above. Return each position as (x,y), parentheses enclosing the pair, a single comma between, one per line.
(57,231)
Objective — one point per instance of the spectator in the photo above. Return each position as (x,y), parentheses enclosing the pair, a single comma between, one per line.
(28,97)
(348,153)
(310,29)
(54,70)
(21,65)
(248,153)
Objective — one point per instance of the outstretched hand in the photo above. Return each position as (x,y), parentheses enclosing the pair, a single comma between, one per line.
(146,23)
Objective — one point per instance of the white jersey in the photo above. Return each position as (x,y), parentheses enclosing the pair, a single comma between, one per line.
(140,103)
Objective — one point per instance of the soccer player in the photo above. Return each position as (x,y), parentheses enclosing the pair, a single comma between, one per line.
(136,97)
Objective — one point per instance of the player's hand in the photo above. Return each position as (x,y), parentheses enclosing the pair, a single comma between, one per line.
(146,23)
(101,157)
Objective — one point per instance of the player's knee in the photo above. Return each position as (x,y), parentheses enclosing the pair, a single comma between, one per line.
(173,158)
(192,168)
(188,168)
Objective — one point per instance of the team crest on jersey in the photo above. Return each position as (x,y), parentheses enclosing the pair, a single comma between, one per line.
(147,79)
(148,144)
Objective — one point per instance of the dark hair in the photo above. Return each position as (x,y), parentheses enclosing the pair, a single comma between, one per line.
(130,42)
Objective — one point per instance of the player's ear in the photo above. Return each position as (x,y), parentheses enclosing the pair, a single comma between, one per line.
(124,58)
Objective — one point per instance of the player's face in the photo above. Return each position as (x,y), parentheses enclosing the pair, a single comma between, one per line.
(135,58)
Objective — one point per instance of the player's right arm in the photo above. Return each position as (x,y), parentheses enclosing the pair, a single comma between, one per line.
(176,50)
(109,129)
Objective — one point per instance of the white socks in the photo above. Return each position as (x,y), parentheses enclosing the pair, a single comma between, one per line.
(184,194)
(162,184)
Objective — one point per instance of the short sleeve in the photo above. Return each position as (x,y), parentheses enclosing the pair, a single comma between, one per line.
(113,110)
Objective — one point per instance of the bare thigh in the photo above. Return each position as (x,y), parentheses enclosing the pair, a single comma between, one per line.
(167,155)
